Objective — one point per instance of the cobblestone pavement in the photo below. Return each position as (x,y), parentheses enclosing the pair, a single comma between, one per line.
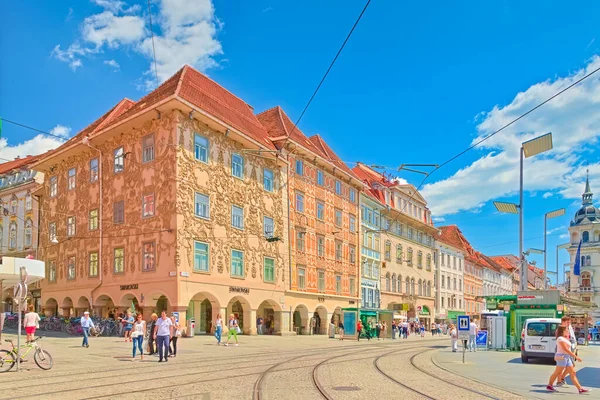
(261,368)
(505,369)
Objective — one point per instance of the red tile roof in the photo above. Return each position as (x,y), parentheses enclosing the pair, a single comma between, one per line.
(453,236)
(505,262)
(18,163)
(279,125)
(373,179)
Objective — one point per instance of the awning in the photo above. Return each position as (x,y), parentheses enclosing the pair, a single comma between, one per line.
(400,316)
(10,271)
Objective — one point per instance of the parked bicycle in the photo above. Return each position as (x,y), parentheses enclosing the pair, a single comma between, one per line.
(42,358)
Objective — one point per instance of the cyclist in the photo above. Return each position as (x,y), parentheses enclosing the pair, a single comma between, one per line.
(86,324)
(31,322)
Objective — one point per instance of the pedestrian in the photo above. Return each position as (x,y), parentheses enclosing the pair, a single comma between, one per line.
(378,329)
(218,328)
(163,331)
(137,334)
(359,329)
(234,328)
(422,330)
(86,323)
(566,322)
(564,360)
(151,341)
(313,326)
(121,319)
(259,325)
(31,322)
(341,329)
(128,325)
(473,336)
(176,335)
(453,338)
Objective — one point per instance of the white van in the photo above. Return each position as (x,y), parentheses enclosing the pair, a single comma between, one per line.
(538,339)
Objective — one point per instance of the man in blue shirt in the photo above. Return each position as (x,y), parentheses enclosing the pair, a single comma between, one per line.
(86,324)
(163,332)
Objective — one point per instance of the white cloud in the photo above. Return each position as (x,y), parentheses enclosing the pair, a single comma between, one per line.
(189,32)
(61,130)
(438,219)
(184,33)
(572,118)
(564,236)
(112,63)
(34,146)
(547,195)
(560,228)
(69,15)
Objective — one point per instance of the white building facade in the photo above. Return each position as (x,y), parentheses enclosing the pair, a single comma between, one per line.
(448,281)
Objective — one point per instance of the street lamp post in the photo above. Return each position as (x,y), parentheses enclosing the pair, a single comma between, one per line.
(552,214)
(529,148)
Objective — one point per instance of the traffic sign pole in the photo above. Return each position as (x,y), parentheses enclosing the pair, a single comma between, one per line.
(463,332)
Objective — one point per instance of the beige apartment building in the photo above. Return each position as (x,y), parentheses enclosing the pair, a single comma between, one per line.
(407,247)
(175,202)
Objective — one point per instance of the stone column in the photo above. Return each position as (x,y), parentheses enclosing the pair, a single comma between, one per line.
(225,318)
(250,328)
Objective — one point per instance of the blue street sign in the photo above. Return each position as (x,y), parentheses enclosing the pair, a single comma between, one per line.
(463,323)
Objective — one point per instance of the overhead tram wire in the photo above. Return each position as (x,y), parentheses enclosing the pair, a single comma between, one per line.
(35,129)
(153,48)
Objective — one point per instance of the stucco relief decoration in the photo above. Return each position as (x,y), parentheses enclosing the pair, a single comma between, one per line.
(214,179)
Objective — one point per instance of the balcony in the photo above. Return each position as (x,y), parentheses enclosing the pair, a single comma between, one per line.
(586,289)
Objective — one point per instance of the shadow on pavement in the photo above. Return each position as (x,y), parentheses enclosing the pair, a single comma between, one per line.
(588,377)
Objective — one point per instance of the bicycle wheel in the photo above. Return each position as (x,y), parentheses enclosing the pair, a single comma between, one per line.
(43,359)
(7,360)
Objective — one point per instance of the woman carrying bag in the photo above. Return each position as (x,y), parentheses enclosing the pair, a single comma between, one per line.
(137,335)
(176,336)
(234,329)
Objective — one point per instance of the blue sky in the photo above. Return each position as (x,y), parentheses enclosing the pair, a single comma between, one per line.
(415,84)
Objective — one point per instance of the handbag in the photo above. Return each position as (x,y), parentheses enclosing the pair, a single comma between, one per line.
(238,330)
(135,334)
(178,333)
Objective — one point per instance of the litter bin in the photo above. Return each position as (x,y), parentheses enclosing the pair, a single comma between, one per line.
(191,326)
(331,331)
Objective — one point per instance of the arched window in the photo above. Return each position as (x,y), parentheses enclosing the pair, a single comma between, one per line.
(588,261)
(412,286)
(388,250)
(409,256)
(586,279)
(420,259)
(582,261)
(12,237)
(399,283)
(585,237)
(428,288)
(393,282)
(407,285)
(387,282)
(420,289)
(399,253)
(28,232)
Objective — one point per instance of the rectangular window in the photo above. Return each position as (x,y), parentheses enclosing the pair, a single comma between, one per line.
(70,226)
(93,220)
(352,254)
(300,245)
(352,286)
(299,202)
(269,227)
(321,281)
(119,260)
(410,233)
(148,205)
(93,170)
(419,237)
(149,256)
(320,178)
(352,223)
(269,269)
(148,148)
(442,302)
(202,205)
(338,188)
(338,284)
(338,217)
(320,210)
(237,263)
(119,212)
(52,231)
(71,179)
(268,180)
(71,268)
(353,195)
(200,148)
(119,160)
(299,167)
(321,246)
(338,250)
(53,186)
(201,257)
(301,278)
(443,281)
(237,165)
(237,217)
(93,264)
(52,271)
(28,202)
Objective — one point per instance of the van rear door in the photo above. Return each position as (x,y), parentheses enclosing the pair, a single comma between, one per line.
(538,338)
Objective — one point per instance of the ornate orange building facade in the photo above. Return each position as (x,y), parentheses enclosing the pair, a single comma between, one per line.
(323,226)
